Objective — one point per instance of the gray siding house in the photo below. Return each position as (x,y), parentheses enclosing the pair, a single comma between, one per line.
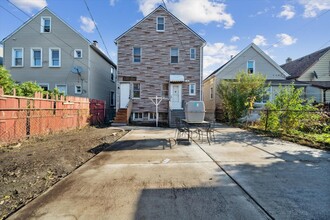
(48,51)
(313,69)
(159,56)
(250,60)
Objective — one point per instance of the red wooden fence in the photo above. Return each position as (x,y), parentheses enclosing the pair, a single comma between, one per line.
(22,117)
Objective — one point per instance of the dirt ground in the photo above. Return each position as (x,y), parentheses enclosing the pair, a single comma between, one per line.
(29,168)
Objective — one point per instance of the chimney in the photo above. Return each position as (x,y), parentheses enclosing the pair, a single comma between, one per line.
(231,56)
(95,43)
(288,60)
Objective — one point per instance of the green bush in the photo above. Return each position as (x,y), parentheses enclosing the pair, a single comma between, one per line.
(6,82)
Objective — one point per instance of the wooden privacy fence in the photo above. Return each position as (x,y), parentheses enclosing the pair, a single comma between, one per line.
(22,117)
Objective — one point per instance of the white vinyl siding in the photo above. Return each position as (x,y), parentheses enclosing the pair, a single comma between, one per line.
(54,57)
(36,57)
(17,57)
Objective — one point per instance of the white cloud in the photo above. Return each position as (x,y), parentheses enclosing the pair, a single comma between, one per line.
(234,39)
(260,40)
(217,54)
(312,8)
(29,5)
(288,12)
(201,11)
(87,24)
(285,40)
(113,2)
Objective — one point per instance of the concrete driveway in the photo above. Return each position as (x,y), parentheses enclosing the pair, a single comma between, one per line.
(239,176)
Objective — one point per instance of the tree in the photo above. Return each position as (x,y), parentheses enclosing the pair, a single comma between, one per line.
(239,94)
(288,111)
(6,82)
(28,89)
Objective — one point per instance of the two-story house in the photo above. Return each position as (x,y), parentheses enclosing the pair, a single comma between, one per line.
(314,69)
(45,49)
(251,60)
(158,56)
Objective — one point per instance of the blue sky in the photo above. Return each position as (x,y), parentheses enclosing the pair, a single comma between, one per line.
(282,28)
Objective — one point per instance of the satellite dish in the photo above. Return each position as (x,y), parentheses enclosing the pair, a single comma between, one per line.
(77,70)
(315,75)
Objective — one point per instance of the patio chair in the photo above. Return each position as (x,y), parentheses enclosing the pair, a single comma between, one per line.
(181,129)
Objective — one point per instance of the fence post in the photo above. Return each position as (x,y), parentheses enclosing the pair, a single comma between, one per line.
(266,124)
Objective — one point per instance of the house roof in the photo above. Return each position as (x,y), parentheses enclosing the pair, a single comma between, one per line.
(255,47)
(321,84)
(99,52)
(163,8)
(298,67)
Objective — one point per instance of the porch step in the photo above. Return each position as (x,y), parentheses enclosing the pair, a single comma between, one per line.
(121,117)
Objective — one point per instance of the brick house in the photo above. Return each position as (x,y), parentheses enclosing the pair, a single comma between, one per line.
(158,56)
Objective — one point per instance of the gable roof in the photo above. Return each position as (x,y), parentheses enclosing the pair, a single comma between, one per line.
(258,50)
(167,11)
(297,67)
(36,15)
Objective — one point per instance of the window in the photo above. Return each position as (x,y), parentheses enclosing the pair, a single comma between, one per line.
(136,90)
(78,89)
(211,93)
(54,57)
(17,57)
(77,53)
(61,88)
(112,74)
(174,55)
(250,66)
(165,90)
(44,86)
(45,25)
(137,116)
(160,26)
(112,98)
(192,88)
(152,116)
(137,51)
(192,53)
(36,57)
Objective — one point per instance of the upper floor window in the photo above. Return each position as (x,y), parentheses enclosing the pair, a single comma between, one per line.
(36,57)
(137,51)
(17,57)
(112,74)
(77,53)
(136,90)
(192,53)
(54,57)
(160,26)
(45,24)
(174,55)
(192,88)
(250,66)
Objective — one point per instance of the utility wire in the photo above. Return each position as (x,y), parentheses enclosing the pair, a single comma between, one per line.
(98,31)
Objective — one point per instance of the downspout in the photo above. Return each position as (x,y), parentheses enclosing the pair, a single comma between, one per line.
(89,72)
(201,72)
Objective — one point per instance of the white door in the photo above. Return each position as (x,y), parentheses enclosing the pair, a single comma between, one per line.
(176,99)
(124,94)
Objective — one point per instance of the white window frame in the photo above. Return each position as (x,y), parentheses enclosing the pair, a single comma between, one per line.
(165,90)
(51,57)
(160,30)
(44,84)
(42,26)
(138,118)
(13,63)
(76,89)
(211,93)
(149,116)
(75,55)
(254,66)
(171,54)
(32,56)
(193,58)
(139,91)
(190,85)
(66,88)
(140,55)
